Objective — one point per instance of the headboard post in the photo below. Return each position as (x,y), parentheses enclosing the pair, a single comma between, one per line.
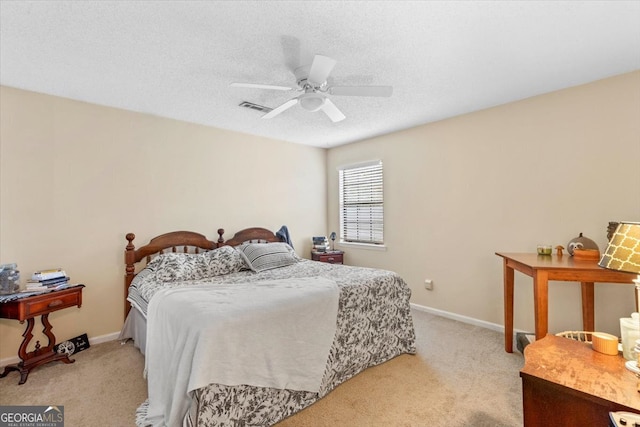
(129,260)
(220,238)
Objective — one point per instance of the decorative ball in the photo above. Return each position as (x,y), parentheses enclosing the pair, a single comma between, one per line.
(581,242)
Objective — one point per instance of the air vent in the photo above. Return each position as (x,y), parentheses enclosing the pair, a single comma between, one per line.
(253,106)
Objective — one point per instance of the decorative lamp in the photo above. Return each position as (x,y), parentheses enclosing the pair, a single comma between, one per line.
(623,254)
(333,240)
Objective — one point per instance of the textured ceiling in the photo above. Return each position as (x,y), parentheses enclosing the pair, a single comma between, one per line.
(444,58)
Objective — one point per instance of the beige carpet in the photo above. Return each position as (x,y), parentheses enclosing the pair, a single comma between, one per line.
(460,376)
(103,387)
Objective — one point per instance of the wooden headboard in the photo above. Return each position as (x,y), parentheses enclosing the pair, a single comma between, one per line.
(183,242)
(255,234)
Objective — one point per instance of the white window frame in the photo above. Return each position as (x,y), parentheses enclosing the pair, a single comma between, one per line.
(365,201)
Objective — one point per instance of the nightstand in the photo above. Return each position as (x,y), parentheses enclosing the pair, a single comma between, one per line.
(332,257)
(28,308)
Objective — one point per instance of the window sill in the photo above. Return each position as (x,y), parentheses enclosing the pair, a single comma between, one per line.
(365,246)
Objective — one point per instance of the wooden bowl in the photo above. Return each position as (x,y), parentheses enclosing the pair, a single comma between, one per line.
(586,254)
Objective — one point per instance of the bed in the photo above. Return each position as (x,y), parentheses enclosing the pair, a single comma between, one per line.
(370,324)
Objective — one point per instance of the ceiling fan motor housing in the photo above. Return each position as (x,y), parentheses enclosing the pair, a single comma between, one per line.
(302,77)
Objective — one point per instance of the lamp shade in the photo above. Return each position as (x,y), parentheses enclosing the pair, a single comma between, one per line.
(623,251)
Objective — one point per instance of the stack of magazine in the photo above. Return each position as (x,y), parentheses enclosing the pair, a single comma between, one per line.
(45,280)
(320,244)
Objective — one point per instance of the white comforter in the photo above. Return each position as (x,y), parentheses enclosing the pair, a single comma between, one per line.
(274,333)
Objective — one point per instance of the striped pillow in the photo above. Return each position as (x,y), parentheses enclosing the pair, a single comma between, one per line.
(266,256)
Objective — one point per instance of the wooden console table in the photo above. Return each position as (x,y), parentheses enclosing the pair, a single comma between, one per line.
(543,268)
(567,383)
(27,309)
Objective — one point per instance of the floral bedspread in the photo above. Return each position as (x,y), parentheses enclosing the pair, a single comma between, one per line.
(374,325)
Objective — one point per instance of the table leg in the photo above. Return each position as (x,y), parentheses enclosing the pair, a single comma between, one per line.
(22,353)
(588,317)
(40,355)
(541,302)
(27,335)
(508,307)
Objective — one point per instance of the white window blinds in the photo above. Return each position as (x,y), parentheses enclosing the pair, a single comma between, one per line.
(361,203)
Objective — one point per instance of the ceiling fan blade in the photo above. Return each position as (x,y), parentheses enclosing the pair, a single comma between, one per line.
(261,86)
(290,103)
(361,90)
(320,69)
(332,111)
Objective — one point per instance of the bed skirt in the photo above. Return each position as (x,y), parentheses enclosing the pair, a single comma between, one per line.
(135,328)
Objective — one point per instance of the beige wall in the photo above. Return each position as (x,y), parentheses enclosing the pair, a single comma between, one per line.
(76,177)
(541,170)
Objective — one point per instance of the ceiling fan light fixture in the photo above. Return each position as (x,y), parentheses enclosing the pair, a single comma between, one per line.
(312,82)
(311,101)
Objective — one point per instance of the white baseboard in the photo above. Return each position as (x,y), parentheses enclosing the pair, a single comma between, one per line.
(9,361)
(92,341)
(104,338)
(464,319)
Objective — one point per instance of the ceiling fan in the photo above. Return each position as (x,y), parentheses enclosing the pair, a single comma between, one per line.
(312,81)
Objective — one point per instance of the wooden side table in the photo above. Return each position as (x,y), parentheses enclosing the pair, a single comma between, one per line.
(542,269)
(28,309)
(332,257)
(566,383)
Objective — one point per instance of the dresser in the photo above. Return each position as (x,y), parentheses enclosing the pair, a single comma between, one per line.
(566,383)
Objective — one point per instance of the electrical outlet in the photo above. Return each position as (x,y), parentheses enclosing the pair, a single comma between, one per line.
(428,284)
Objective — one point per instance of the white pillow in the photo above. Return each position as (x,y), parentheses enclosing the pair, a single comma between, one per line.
(266,256)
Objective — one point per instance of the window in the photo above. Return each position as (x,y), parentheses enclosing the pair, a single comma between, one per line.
(361,203)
